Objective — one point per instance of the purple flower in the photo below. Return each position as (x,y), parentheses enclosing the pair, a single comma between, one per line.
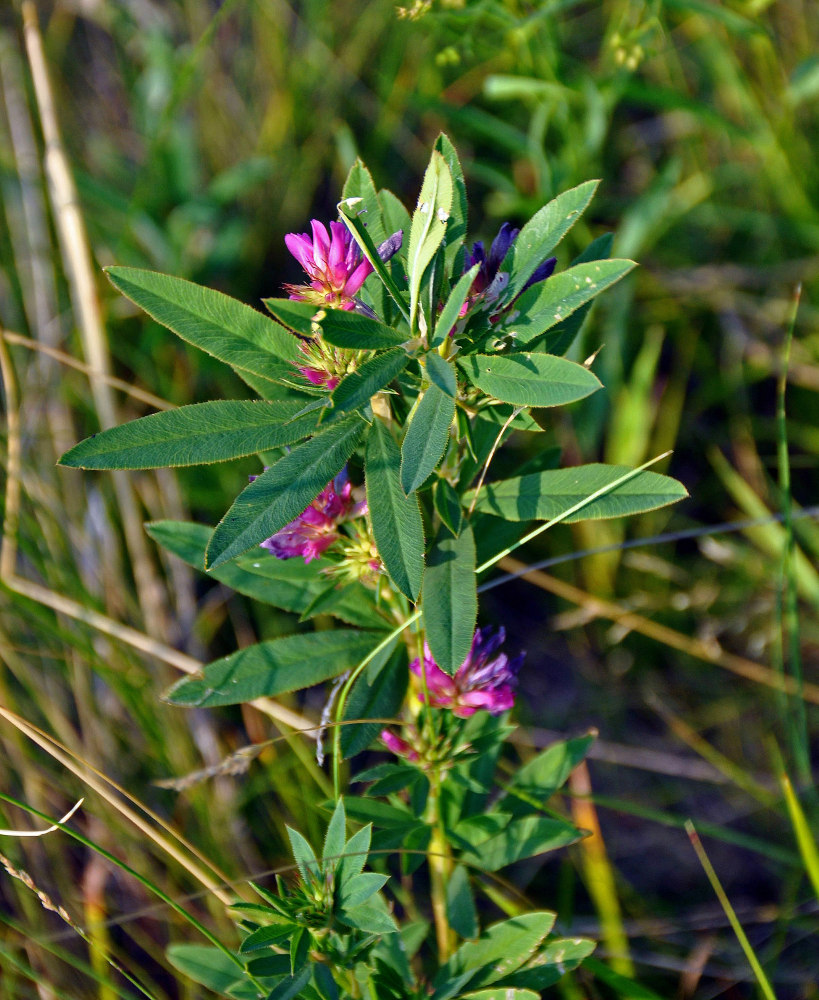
(334,264)
(489,264)
(314,530)
(483,681)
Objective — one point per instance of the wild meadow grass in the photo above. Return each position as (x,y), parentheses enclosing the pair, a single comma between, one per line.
(189,139)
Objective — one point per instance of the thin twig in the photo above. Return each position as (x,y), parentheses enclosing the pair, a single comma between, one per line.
(491,455)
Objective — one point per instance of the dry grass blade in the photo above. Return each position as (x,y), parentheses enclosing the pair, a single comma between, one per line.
(77,261)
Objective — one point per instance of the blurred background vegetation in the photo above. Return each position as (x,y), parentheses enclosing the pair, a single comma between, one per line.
(198,134)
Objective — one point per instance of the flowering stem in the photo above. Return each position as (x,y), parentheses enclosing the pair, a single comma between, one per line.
(439,858)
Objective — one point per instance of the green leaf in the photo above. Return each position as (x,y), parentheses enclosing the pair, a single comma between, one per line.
(562,336)
(541,234)
(549,302)
(305,858)
(350,330)
(521,838)
(359,184)
(500,950)
(194,435)
(372,917)
(528,379)
(356,390)
(208,966)
(450,600)
(290,987)
(335,838)
(426,437)
(429,224)
(441,373)
(456,226)
(283,491)
(221,326)
(355,856)
(359,889)
(448,505)
(274,667)
(452,307)
(537,781)
(557,957)
(460,906)
(263,937)
(290,584)
(351,212)
(501,993)
(544,495)
(377,696)
(396,518)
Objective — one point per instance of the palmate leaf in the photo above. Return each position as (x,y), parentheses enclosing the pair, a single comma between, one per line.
(290,584)
(198,434)
(395,517)
(283,491)
(351,330)
(228,329)
(544,495)
(541,234)
(450,600)
(273,667)
(528,379)
(544,305)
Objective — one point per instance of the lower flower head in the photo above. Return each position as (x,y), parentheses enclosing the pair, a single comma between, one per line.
(315,529)
(483,681)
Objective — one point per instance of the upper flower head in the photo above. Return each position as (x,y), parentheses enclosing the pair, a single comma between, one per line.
(483,680)
(334,264)
(314,530)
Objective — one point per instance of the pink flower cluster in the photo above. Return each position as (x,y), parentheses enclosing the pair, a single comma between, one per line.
(315,529)
(333,263)
(483,680)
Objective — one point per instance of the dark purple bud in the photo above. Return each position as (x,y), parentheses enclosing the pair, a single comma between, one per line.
(542,272)
(391,246)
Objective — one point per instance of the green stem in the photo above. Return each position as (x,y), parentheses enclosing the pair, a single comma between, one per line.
(439,858)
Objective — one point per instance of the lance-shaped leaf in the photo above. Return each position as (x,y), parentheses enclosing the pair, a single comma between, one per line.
(350,330)
(283,491)
(376,694)
(429,222)
(395,517)
(456,226)
(193,435)
(290,584)
(359,184)
(529,379)
(452,308)
(553,960)
(351,211)
(545,495)
(275,667)
(359,386)
(450,600)
(228,329)
(441,373)
(521,838)
(542,233)
(549,302)
(426,437)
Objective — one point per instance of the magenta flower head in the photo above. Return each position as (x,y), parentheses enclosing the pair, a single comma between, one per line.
(483,681)
(315,529)
(334,264)
(399,746)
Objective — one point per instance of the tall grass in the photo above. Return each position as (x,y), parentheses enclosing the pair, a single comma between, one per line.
(196,138)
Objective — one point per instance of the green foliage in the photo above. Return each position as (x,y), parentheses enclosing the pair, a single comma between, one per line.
(450,598)
(530,379)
